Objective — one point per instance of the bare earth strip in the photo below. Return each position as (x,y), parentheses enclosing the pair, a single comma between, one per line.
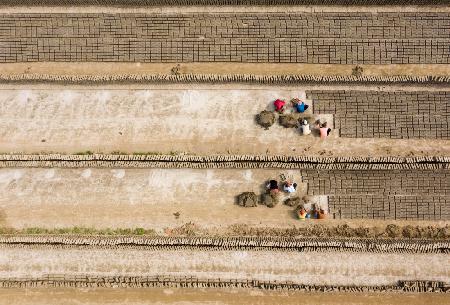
(130,296)
(104,198)
(99,68)
(309,268)
(148,198)
(211,120)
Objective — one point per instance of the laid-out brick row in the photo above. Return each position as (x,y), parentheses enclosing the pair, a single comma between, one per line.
(378,114)
(377,182)
(399,207)
(254,243)
(345,102)
(383,194)
(327,38)
(401,126)
(171,281)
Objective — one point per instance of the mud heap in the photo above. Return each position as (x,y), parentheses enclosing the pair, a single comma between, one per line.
(293,202)
(265,119)
(270,200)
(247,199)
(289,121)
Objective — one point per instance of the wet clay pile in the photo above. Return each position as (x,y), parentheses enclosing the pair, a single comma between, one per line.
(270,200)
(293,202)
(250,199)
(265,119)
(289,121)
(247,199)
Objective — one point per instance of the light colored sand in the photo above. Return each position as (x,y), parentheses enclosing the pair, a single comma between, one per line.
(301,267)
(187,296)
(99,68)
(199,121)
(105,198)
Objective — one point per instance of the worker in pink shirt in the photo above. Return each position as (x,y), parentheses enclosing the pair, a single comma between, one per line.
(279,105)
(324,130)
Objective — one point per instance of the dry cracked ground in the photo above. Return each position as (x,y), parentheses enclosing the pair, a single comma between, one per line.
(181,118)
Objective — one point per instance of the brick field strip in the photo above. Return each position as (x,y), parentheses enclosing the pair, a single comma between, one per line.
(373,188)
(375,245)
(376,114)
(170,281)
(326,38)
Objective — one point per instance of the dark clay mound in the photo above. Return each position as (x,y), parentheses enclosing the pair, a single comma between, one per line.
(248,199)
(289,121)
(270,200)
(265,119)
(293,202)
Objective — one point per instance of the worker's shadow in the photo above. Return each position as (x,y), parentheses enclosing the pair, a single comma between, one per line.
(263,187)
(270,106)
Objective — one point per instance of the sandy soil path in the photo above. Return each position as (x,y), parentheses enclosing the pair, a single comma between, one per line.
(187,296)
(316,268)
(148,198)
(98,68)
(105,198)
(199,121)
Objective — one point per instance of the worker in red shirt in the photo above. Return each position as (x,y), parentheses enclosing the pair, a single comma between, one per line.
(279,105)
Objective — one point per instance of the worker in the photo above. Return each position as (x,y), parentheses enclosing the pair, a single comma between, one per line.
(323,128)
(322,214)
(305,127)
(272,186)
(290,187)
(279,105)
(299,105)
(302,214)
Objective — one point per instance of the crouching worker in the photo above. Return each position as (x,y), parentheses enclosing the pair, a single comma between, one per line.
(323,129)
(272,186)
(304,125)
(322,214)
(290,187)
(279,105)
(299,105)
(301,213)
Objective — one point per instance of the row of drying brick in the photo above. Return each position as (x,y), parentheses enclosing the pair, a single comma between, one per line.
(390,207)
(327,38)
(388,114)
(223,164)
(229,243)
(94,281)
(373,182)
(315,160)
(393,194)
(344,102)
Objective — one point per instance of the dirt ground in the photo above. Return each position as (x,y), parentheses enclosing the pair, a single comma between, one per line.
(149,198)
(136,198)
(186,296)
(310,268)
(98,68)
(167,120)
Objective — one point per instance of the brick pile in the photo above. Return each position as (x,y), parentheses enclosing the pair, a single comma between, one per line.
(225,78)
(223,161)
(232,243)
(97,281)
